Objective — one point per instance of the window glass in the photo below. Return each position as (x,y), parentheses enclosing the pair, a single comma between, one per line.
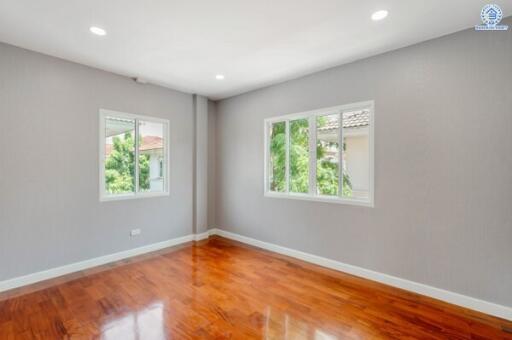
(327,154)
(277,165)
(299,155)
(119,155)
(356,154)
(151,152)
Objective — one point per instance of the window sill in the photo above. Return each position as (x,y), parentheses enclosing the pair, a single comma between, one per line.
(324,199)
(105,198)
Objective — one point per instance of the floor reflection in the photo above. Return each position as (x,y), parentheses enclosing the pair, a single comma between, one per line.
(145,324)
(319,335)
(280,325)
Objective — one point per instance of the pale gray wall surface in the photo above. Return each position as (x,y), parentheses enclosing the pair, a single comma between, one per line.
(201,164)
(50,214)
(443,160)
(212,163)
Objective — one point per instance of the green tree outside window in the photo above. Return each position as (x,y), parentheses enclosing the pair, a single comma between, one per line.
(327,170)
(120,167)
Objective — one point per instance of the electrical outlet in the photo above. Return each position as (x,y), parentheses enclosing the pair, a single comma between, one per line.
(135,232)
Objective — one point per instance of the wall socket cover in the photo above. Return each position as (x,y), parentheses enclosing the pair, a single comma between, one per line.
(135,232)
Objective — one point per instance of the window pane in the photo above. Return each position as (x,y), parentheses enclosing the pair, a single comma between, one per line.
(356,154)
(151,156)
(277,167)
(119,155)
(327,154)
(299,156)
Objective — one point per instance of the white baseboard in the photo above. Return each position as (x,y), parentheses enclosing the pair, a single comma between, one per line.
(202,236)
(436,293)
(98,261)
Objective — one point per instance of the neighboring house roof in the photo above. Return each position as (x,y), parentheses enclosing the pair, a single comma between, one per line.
(151,143)
(148,143)
(350,120)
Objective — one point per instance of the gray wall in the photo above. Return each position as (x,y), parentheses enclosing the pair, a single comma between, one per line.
(201,164)
(212,162)
(50,214)
(443,160)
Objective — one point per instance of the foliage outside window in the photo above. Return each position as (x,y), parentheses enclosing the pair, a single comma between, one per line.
(304,157)
(299,154)
(134,154)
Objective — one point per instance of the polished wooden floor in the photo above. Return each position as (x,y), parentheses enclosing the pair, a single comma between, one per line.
(220,289)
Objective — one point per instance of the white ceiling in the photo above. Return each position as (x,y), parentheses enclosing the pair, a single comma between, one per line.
(184,44)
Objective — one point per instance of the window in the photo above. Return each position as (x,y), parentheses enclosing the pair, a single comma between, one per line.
(324,155)
(133,156)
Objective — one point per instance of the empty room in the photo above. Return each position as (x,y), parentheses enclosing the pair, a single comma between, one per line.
(234,169)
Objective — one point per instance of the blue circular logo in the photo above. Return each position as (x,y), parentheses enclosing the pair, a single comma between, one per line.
(491,15)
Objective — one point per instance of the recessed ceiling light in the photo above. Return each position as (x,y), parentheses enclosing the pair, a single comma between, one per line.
(219,77)
(379,15)
(97,30)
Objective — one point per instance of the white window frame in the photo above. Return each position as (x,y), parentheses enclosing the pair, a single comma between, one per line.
(311,116)
(136,194)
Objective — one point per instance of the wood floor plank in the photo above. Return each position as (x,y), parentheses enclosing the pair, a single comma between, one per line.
(221,289)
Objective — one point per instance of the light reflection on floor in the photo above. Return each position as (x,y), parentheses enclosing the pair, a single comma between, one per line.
(145,324)
(283,326)
(319,335)
(149,324)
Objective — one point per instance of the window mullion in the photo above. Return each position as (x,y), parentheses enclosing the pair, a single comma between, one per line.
(102,154)
(136,156)
(270,173)
(340,155)
(312,155)
(165,173)
(287,162)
